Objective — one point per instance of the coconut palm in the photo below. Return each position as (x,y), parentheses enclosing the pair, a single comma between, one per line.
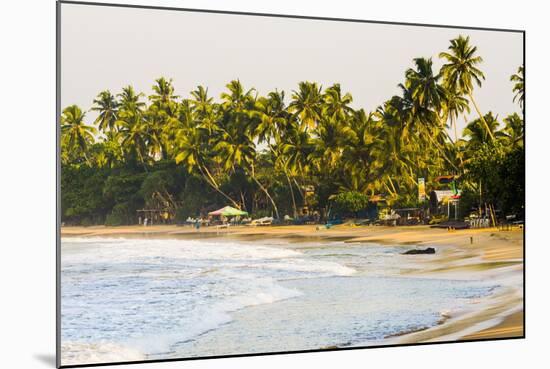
(306,104)
(135,135)
(478,135)
(272,121)
(107,107)
(419,108)
(162,115)
(155,120)
(331,136)
(336,106)
(461,72)
(201,102)
(454,106)
(396,152)
(519,85)
(270,115)
(236,99)
(204,110)
(427,98)
(358,156)
(75,134)
(513,130)
(427,94)
(110,153)
(235,144)
(130,100)
(164,93)
(297,147)
(194,152)
(237,150)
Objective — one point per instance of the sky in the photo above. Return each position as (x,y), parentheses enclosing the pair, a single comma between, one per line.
(109,48)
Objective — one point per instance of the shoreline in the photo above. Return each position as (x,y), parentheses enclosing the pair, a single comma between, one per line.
(485,253)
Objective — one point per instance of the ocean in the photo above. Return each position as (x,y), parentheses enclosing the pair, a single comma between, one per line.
(138,299)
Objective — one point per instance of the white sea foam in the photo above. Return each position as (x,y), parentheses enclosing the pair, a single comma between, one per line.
(109,249)
(73,353)
(130,299)
(152,294)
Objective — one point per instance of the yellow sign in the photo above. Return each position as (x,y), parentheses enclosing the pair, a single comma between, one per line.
(421,189)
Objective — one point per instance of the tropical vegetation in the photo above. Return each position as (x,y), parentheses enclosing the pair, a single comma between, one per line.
(290,154)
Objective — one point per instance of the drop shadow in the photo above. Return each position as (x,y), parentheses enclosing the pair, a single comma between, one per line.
(48,359)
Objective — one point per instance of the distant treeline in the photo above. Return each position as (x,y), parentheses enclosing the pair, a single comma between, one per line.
(316,153)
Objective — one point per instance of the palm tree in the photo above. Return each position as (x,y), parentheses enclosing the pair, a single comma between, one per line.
(201,102)
(306,104)
(164,93)
(396,151)
(155,121)
(194,152)
(236,99)
(296,147)
(130,101)
(422,101)
(111,153)
(107,107)
(478,135)
(519,86)
(513,130)
(135,135)
(331,136)
(336,106)
(426,93)
(134,129)
(272,121)
(237,149)
(236,142)
(75,133)
(358,156)
(162,116)
(460,72)
(455,105)
(270,115)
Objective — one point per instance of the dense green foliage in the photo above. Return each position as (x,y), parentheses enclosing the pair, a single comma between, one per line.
(277,155)
(350,202)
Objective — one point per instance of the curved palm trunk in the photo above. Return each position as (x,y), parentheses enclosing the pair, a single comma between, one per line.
(294,209)
(392,185)
(392,194)
(300,191)
(212,182)
(481,116)
(453,122)
(436,144)
(266,192)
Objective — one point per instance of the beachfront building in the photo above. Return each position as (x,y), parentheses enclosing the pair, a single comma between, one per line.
(444,200)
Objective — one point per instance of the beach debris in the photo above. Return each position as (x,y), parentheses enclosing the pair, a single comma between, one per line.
(429,250)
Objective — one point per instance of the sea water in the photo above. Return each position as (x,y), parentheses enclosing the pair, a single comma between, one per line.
(137,299)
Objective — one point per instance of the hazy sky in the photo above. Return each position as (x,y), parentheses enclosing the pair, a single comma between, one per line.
(108,48)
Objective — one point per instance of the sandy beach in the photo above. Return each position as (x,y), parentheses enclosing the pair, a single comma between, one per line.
(474,253)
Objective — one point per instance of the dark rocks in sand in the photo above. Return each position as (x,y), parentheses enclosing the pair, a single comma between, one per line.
(429,250)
